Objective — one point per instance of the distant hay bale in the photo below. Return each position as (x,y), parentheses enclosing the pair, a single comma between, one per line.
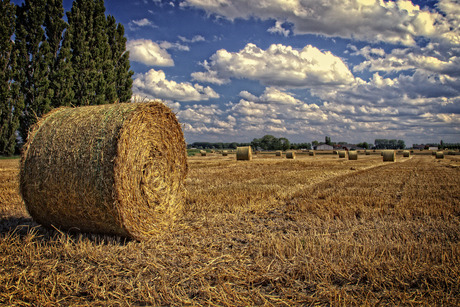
(342,154)
(335,152)
(406,153)
(244,153)
(352,155)
(368,153)
(203,153)
(433,153)
(290,155)
(388,156)
(311,153)
(279,153)
(439,155)
(224,153)
(114,169)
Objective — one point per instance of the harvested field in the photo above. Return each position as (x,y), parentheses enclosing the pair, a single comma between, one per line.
(323,231)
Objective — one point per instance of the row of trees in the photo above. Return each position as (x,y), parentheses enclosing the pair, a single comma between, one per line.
(267,142)
(378,144)
(47,62)
(389,144)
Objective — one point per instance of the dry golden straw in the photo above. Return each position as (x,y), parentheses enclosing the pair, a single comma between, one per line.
(244,153)
(353,155)
(114,169)
(388,155)
(342,154)
(406,153)
(290,155)
(439,155)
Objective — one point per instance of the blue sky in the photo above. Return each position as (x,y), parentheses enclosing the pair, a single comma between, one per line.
(354,70)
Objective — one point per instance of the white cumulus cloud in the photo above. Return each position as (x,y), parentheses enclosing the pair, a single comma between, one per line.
(148,52)
(154,84)
(279,65)
(370,20)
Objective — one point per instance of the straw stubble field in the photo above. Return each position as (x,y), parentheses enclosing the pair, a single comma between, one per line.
(271,231)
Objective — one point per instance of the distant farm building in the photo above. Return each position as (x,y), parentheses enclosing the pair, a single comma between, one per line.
(324,147)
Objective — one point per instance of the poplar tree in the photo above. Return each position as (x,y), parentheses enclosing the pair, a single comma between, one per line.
(60,71)
(82,62)
(10,101)
(120,59)
(99,58)
(34,56)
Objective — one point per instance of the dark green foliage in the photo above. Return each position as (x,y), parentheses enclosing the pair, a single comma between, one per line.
(99,58)
(269,142)
(364,145)
(389,144)
(60,70)
(34,60)
(120,59)
(52,63)
(10,101)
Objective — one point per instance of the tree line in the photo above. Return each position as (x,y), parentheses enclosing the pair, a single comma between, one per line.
(47,62)
(267,142)
(270,142)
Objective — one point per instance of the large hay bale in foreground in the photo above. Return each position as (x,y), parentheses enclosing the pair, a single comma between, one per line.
(352,155)
(342,154)
(290,155)
(439,155)
(244,153)
(388,156)
(114,169)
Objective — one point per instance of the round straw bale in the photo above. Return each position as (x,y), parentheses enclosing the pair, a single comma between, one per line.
(224,153)
(278,153)
(368,153)
(352,155)
(203,153)
(290,155)
(115,169)
(342,154)
(311,153)
(244,153)
(388,155)
(439,155)
(406,153)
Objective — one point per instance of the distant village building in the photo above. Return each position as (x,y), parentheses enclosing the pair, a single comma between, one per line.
(417,146)
(324,147)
